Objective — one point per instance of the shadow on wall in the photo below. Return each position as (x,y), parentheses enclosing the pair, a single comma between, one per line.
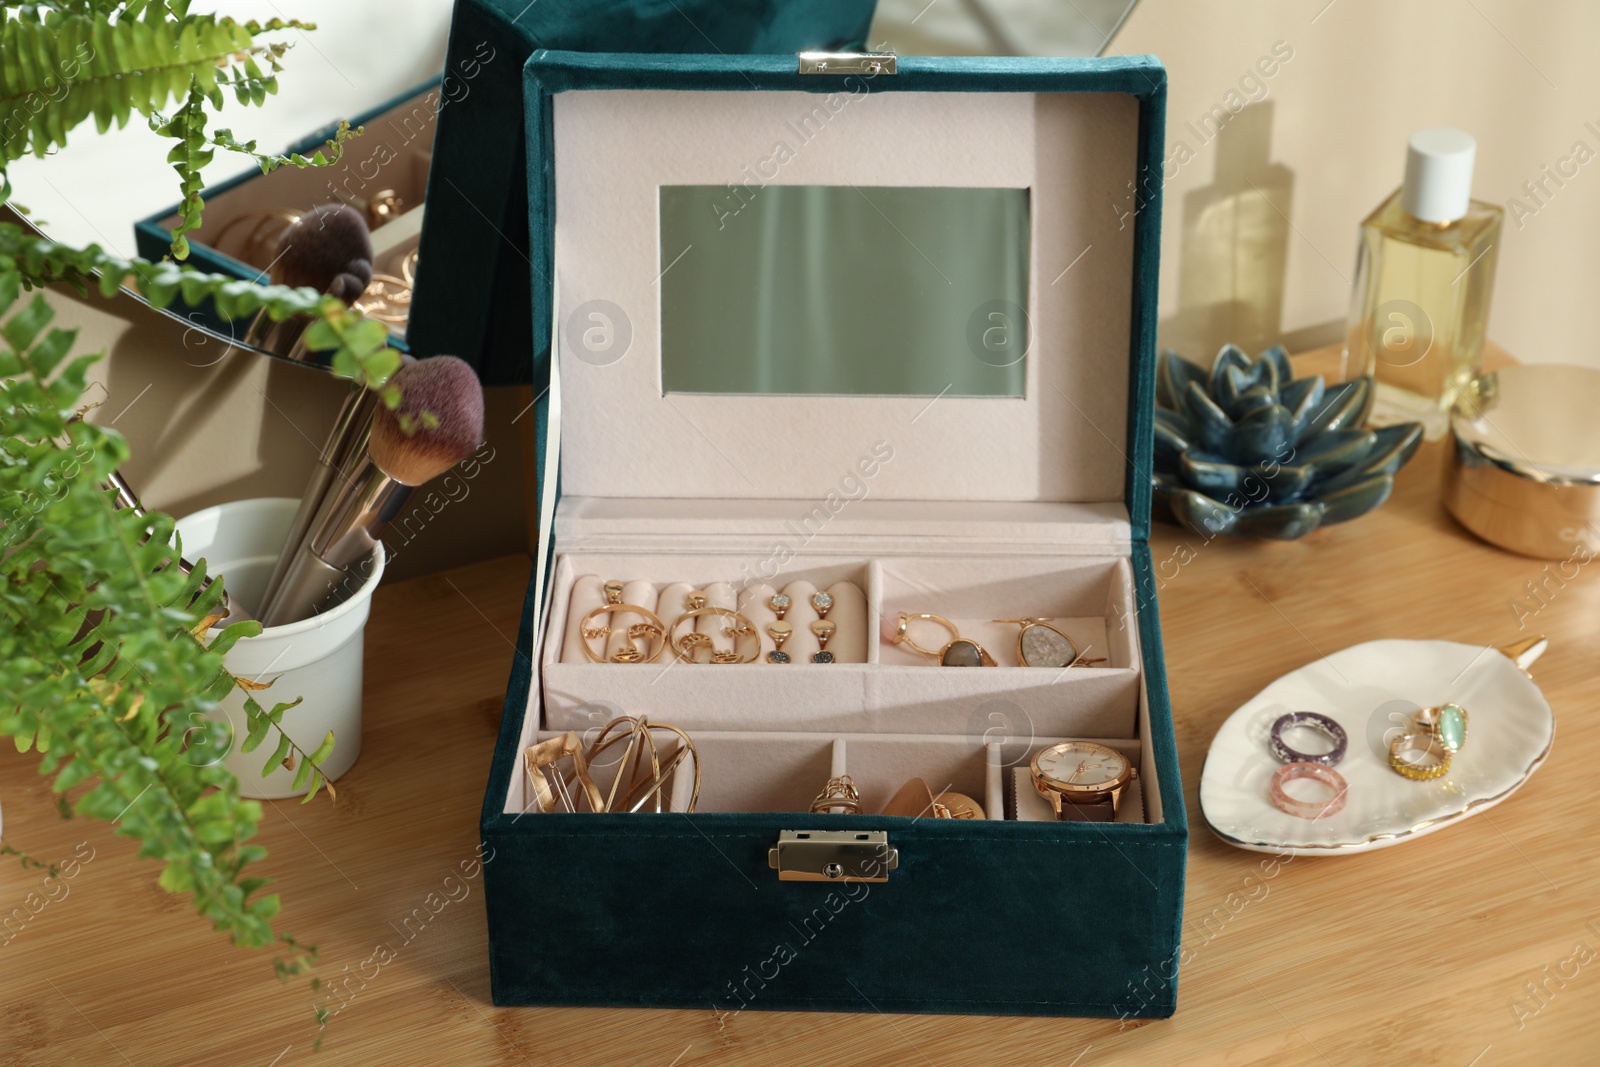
(1235,243)
(209,422)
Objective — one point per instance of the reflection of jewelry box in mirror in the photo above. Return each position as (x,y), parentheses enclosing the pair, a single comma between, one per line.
(924,365)
(383,174)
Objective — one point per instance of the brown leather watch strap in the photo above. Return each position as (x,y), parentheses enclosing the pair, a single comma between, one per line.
(1104,810)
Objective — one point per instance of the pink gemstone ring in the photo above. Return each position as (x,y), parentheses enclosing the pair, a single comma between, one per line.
(1308,809)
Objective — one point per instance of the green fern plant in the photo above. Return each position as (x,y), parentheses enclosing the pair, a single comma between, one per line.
(107,666)
(63,63)
(100,662)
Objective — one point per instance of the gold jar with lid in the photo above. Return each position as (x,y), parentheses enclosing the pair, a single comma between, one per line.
(1523,469)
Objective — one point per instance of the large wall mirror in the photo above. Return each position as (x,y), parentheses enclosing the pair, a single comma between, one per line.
(844,290)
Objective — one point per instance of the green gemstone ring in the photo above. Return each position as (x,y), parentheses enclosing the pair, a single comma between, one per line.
(1446,723)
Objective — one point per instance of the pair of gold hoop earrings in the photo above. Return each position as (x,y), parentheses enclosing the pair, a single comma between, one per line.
(652,630)
(1039,644)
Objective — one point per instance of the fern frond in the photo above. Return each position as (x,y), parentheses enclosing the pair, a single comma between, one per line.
(62,64)
(356,347)
(59,68)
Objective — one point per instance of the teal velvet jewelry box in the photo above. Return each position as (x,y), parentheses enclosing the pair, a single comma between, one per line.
(1024,491)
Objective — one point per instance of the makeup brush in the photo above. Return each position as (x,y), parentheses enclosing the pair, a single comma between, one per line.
(328,249)
(128,500)
(346,439)
(442,403)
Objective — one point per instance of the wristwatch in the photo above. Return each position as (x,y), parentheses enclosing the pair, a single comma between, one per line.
(1082,781)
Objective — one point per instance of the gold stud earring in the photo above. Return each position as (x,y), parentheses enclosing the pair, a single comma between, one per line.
(779,632)
(823,630)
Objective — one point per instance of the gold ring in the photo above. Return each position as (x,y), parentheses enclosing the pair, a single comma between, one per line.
(690,644)
(840,792)
(823,602)
(779,632)
(1445,723)
(1432,759)
(779,603)
(651,628)
(959,652)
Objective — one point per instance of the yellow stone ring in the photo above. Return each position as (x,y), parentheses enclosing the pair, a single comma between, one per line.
(1419,757)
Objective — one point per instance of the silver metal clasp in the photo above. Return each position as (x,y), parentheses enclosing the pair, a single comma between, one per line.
(847,62)
(833,856)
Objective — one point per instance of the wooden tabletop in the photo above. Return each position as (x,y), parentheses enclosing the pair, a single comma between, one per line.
(1422,953)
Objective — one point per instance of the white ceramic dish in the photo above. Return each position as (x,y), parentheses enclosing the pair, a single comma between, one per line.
(1370,689)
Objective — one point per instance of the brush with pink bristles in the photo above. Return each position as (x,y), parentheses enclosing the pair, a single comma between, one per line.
(442,405)
(328,249)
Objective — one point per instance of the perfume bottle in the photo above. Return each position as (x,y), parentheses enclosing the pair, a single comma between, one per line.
(1424,276)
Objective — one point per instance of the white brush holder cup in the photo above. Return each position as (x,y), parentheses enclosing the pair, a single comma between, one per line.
(317,659)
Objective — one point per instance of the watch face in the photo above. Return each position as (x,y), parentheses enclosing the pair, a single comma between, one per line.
(1080,765)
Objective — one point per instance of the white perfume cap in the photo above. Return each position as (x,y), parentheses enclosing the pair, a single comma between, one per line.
(1438,174)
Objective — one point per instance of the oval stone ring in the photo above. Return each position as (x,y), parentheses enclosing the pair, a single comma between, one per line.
(1322,725)
(1446,723)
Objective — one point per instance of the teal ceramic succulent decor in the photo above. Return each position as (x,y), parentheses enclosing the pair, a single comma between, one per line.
(1249,449)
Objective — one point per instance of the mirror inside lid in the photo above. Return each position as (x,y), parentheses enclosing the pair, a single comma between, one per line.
(756,288)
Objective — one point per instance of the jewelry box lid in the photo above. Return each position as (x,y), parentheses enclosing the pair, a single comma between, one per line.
(1001,214)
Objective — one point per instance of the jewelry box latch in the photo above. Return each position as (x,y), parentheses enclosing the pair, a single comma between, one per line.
(833,856)
(847,63)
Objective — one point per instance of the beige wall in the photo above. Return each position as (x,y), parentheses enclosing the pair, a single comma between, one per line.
(1258,240)
(207,425)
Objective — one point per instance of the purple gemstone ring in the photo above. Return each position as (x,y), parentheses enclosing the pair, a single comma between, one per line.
(1320,723)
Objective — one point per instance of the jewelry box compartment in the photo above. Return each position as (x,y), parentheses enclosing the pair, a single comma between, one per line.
(784,772)
(891,690)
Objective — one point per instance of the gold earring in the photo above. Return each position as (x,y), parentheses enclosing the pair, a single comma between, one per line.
(651,629)
(823,629)
(779,632)
(1041,645)
(692,643)
(958,652)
